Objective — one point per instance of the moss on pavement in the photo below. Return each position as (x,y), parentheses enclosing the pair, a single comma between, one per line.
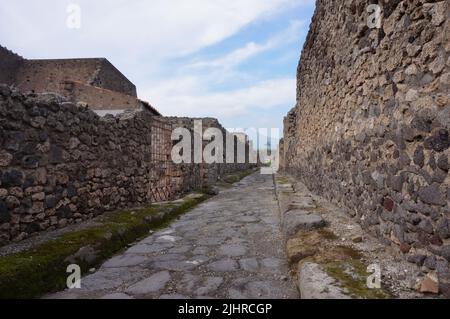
(41,270)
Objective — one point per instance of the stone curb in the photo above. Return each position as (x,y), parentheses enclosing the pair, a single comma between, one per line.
(297,214)
(296,220)
(315,283)
(296,211)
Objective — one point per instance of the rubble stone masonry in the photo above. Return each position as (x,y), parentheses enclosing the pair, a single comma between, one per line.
(370,130)
(60,163)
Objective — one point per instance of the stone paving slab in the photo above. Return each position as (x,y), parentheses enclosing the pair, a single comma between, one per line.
(227,247)
(314,283)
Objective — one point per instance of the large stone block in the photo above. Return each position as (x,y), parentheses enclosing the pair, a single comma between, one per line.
(296,220)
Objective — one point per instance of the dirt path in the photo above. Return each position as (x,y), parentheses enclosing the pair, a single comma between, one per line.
(227,247)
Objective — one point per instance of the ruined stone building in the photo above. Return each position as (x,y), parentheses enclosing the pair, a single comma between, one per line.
(370,130)
(62,163)
(95,82)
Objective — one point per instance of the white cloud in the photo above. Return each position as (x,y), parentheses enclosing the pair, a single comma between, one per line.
(233,58)
(185,97)
(140,28)
(292,33)
(190,93)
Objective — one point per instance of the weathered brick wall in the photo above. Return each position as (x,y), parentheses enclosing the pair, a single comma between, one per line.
(43,76)
(9,65)
(100,99)
(49,75)
(370,130)
(110,78)
(61,164)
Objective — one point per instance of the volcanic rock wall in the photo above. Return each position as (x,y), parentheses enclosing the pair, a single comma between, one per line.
(212,172)
(61,163)
(370,130)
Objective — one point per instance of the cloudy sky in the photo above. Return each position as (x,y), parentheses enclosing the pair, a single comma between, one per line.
(234,60)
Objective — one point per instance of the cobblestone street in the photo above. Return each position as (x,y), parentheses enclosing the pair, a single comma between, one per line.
(227,247)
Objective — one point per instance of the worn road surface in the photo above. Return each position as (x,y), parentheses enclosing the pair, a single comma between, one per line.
(227,247)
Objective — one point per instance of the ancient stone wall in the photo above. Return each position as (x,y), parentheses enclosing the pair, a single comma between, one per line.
(9,64)
(370,130)
(213,172)
(61,163)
